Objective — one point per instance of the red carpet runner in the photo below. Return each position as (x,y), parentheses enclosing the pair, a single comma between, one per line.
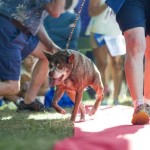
(109,129)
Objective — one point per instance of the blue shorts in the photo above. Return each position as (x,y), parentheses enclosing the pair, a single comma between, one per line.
(14,47)
(134,13)
(99,38)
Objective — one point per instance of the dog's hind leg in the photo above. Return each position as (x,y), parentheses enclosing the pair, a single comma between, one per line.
(72,95)
(82,111)
(99,96)
(78,99)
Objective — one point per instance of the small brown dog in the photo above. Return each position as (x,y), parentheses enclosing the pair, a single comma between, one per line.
(72,72)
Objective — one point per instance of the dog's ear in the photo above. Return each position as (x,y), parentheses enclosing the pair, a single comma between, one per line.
(71,58)
(47,54)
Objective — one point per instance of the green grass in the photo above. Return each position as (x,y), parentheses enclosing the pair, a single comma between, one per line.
(39,131)
(34,131)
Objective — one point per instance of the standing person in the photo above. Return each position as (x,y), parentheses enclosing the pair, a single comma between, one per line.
(60,28)
(133,17)
(85,18)
(22,33)
(100,26)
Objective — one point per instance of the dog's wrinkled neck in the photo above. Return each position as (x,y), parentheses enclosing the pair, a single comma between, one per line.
(71,70)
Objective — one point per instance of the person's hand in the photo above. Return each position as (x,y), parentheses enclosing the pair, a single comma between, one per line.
(52,47)
(56,49)
(55,7)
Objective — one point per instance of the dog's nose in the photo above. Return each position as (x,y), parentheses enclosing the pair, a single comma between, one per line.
(51,73)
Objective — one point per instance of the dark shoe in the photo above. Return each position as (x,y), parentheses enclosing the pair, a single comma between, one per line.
(147,109)
(34,106)
(140,115)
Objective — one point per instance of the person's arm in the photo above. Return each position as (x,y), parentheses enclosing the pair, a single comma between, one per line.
(54,8)
(95,8)
(46,40)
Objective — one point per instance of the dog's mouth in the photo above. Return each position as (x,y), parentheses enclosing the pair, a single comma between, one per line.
(55,81)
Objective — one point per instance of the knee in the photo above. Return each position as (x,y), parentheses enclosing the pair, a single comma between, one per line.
(135,45)
(13,87)
(102,65)
(117,64)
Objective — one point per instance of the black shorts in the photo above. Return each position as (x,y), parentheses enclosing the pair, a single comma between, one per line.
(134,13)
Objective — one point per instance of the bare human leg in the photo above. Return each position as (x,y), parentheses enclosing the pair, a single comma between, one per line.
(136,46)
(147,76)
(147,70)
(117,76)
(9,87)
(39,74)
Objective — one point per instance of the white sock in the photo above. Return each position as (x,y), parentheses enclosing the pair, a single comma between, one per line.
(146,100)
(19,100)
(137,102)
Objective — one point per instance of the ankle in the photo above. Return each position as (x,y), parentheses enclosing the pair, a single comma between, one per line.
(137,102)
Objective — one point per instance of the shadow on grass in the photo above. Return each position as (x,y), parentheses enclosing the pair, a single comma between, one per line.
(34,131)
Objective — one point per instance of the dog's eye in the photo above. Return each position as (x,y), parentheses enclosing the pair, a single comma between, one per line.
(49,74)
(59,66)
(50,66)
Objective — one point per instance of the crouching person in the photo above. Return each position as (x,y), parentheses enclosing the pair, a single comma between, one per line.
(22,33)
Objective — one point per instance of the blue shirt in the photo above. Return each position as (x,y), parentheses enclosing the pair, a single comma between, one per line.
(115,5)
(85,18)
(59,29)
(28,12)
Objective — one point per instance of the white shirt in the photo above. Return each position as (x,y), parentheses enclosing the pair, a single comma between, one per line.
(104,23)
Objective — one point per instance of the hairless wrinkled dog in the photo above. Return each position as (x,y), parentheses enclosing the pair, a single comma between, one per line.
(72,72)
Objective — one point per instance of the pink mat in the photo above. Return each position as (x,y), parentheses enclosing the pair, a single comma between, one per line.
(109,129)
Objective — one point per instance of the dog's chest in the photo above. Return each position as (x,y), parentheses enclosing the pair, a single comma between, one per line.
(70,84)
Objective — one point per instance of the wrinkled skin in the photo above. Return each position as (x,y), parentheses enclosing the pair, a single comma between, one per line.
(72,72)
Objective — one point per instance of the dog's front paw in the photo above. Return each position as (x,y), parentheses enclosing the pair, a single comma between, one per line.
(92,112)
(72,118)
(82,120)
(62,111)
(59,109)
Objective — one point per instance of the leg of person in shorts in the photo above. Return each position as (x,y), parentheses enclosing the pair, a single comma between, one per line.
(101,54)
(39,76)
(14,47)
(147,76)
(10,57)
(131,18)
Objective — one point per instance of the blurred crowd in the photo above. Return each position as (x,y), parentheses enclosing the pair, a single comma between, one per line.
(100,32)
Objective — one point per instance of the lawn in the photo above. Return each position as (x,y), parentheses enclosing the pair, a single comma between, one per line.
(33,131)
(37,131)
